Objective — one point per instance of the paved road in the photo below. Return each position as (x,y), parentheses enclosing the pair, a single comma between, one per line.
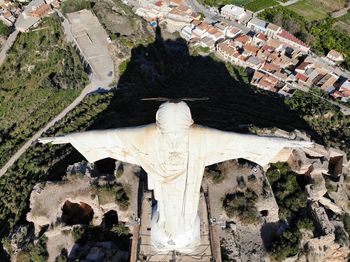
(9,42)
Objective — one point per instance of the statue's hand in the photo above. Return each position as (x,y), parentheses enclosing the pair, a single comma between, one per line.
(305,144)
(54,140)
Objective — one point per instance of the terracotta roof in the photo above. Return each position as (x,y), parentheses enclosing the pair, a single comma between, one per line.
(274,43)
(203,26)
(7,14)
(212,30)
(243,58)
(335,54)
(159,3)
(272,27)
(41,10)
(270,79)
(261,36)
(183,8)
(234,30)
(337,94)
(271,67)
(290,37)
(242,39)
(196,22)
(227,49)
(251,48)
(258,75)
(301,77)
(268,48)
(176,2)
(302,66)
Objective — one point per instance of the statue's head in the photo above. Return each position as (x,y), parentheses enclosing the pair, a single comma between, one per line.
(173,117)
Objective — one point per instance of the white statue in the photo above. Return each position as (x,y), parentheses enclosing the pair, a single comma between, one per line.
(174,153)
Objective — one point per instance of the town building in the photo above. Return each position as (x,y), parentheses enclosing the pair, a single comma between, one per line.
(233,12)
(266,81)
(335,56)
(257,25)
(291,40)
(272,30)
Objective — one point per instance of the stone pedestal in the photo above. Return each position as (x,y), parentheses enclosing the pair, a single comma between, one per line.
(147,252)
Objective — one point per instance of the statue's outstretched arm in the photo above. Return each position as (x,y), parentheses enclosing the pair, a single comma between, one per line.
(54,140)
(222,146)
(99,144)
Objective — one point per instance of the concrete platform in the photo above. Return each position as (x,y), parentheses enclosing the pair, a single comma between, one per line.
(92,41)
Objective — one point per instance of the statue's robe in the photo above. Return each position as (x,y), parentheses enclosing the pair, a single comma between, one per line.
(207,146)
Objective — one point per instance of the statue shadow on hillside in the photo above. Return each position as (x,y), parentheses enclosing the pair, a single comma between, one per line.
(165,68)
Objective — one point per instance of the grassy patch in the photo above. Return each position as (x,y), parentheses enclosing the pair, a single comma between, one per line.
(122,66)
(260,4)
(70,6)
(226,2)
(41,76)
(343,24)
(330,6)
(308,10)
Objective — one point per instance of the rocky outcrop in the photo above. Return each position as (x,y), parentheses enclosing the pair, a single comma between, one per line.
(326,249)
(84,196)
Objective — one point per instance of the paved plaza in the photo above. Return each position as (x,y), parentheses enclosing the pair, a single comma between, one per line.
(92,41)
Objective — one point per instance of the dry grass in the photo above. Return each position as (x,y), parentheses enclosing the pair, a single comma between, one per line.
(331,6)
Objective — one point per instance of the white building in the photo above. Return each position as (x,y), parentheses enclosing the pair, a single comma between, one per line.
(257,25)
(233,12)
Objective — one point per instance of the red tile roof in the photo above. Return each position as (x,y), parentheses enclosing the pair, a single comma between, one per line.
(41,10)
(261,36)
(159,3)
(227,49)
(251,48)
(301,77)
(271,67)
(302,66)
(242,39)
(268,48)
(290,37)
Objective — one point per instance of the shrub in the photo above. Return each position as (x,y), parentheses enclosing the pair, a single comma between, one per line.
(120,230)
(346,222)
(241,182)
(290,197)
(78,233)
(285,245)
(216,176)
(242,204)
(252,178)
(38,252)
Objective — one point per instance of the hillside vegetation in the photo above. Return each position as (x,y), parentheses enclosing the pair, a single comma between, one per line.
(4,29)
(41,76)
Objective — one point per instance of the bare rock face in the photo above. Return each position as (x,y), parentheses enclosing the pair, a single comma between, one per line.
(79,196)
(326,249)
(83,197)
